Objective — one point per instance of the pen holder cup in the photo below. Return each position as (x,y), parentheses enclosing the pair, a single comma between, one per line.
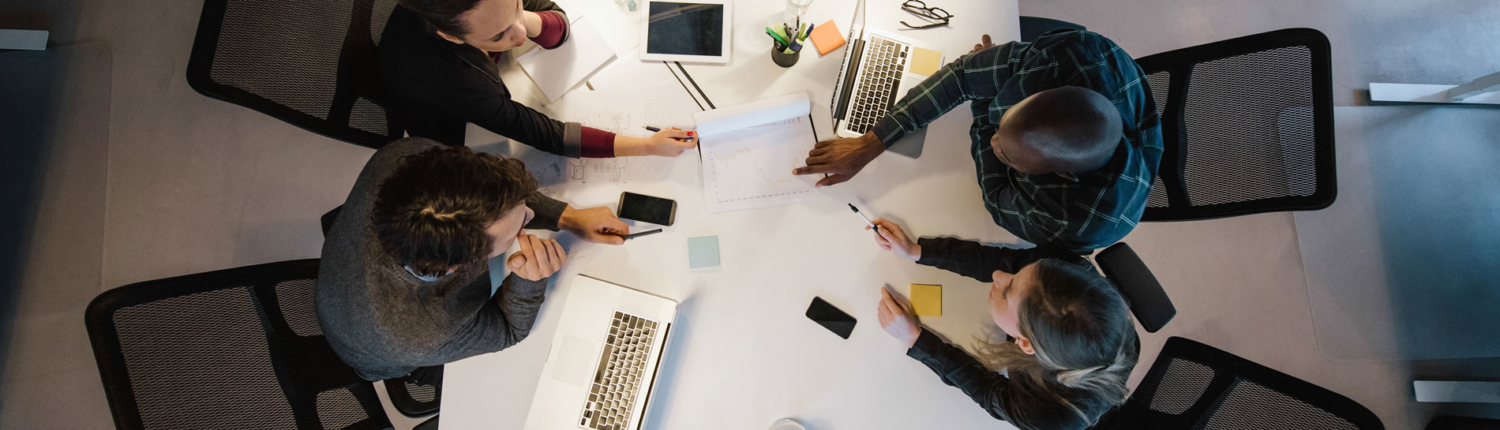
(784,59)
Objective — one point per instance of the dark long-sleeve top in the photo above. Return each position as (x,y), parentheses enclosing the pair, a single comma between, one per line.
(1012,400)
(384,321)
(439,86)
(1103,205)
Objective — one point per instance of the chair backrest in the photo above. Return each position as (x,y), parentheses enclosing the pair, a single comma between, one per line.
(1247,125)
(309,63)
(237,348)
(1148,301)
(1196,386)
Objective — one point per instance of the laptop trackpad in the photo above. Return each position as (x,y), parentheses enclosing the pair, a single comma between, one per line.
(577,357)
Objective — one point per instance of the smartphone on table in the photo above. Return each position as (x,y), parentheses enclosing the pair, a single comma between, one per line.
(655,210)
(831,318)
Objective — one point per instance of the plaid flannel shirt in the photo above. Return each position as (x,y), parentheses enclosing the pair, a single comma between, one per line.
(1104,205)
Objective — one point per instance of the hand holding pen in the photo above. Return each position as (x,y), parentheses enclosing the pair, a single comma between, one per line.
(668,142)
(890,237)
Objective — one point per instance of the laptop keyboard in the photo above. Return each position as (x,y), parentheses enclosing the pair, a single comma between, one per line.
(876,90)
(621,365)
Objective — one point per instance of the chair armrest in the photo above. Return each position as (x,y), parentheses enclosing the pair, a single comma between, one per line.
(1148,301)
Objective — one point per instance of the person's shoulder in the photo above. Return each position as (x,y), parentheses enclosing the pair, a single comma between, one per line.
(1075,39)
(388,155)
(407,52)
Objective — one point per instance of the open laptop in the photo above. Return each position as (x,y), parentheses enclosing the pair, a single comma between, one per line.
(879,68)
(602,368)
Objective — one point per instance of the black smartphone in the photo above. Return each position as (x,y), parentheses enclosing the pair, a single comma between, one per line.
(830,318)
(655,210)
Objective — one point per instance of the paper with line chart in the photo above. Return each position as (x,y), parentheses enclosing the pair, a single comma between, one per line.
(749,152)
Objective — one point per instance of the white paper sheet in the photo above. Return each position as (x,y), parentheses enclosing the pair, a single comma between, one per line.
(557,71)
(749,152)
(619,111)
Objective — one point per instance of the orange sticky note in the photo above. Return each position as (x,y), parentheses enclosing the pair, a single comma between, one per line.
(927,300)
(826,37)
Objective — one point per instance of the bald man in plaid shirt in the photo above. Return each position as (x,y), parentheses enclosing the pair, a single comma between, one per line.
(1066,139)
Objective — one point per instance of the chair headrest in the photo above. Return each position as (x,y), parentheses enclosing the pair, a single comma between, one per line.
(1148,301)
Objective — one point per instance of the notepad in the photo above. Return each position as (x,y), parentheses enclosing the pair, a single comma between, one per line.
(826,37)
(703,252)
(559,70)
(748,152)
(927,300)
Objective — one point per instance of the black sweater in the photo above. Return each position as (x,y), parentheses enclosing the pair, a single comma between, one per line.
(439,86)
(1002,397)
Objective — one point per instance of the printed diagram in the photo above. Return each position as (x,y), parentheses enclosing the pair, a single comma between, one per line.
(738,173)
(615,171)
(745,159)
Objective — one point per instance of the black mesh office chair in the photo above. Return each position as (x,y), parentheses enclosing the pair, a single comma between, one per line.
(237,348)
(1195,386)
(309,63)
(1247,124)
(225,349)
(1035,26)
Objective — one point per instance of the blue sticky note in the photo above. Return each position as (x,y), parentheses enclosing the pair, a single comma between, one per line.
(703,251)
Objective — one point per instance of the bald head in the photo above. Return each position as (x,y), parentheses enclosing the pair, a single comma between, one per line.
(1067,130)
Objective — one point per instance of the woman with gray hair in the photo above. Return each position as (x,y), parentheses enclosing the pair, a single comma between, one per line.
(1071,343)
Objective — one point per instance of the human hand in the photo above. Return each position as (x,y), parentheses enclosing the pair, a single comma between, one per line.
(986,44)
(892,238)
(596,224)
(897,318)
(841,158)
(671,141)
(538,259)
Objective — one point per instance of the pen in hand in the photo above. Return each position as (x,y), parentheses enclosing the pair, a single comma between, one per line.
(862,216)
(658,129)
(644,233)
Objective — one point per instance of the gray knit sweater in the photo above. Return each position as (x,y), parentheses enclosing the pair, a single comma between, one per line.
(384,321)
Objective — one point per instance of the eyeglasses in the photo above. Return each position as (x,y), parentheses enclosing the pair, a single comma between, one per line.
(937,15)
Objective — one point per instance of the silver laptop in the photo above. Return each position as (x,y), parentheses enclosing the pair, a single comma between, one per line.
(602,368)
(879,68)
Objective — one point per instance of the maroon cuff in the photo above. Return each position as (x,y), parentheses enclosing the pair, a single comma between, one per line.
(554,30)
(596,143)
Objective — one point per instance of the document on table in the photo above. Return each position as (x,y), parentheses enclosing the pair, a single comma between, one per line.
(559,70)
(618,111)
(749,151)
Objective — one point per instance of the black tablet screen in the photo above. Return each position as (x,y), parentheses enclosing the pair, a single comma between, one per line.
(685,29)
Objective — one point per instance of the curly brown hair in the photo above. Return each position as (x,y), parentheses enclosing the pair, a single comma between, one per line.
(432,212)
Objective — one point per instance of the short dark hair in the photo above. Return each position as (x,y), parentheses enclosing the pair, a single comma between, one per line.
(1073,129)
(445,15)
(431,213)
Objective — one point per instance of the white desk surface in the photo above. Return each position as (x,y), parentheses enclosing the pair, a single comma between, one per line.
(742,354)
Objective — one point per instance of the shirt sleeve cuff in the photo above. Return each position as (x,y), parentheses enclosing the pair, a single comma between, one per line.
(925,345)
(554,30)
(522,287)
(548,211)
(572,140)
(596,143)
(888,131)
(932,252)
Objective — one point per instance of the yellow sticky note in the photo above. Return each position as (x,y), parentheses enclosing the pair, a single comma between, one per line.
(925,62)
(927,300)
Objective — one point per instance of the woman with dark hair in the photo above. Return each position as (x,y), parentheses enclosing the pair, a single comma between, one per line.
(437,67)
(1072,342)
